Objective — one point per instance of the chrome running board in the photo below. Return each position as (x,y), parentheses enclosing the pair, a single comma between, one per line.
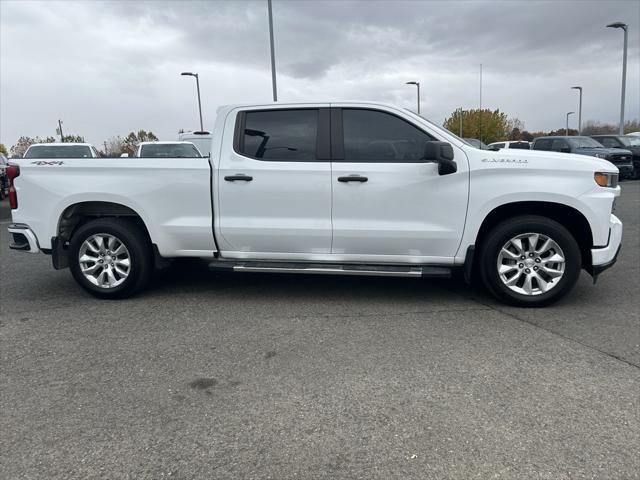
(334,269)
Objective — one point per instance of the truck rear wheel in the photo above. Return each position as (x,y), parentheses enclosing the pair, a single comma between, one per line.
(110,257)
(530,261)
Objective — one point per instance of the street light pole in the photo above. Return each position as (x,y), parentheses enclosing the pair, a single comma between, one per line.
(480,118)
(624,27)
(273,54)
(579,110)
(566,131)
(60,128)
(190,74)
(417,84)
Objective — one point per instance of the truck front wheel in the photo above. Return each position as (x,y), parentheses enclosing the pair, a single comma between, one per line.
(529,261)
(110,257)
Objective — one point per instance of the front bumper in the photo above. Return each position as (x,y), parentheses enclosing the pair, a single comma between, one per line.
(605,257)
(23,238)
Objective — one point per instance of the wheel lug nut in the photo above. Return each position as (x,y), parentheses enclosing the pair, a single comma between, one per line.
(535,269)
(531,254)
(521,265)
(522,257)
(527,270)
(538,260)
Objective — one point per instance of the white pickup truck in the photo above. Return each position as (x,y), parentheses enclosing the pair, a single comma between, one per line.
(329,188)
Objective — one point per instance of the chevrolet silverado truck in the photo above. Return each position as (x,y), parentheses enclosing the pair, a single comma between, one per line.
(326,188)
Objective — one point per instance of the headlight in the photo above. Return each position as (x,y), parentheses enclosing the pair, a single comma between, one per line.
(601,155)
(603,179)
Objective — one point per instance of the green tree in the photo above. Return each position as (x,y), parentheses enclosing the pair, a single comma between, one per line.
(3,150)
(23,143)
(486,125)
(131,141)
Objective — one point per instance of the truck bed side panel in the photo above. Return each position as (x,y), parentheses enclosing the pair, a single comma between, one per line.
(172,196)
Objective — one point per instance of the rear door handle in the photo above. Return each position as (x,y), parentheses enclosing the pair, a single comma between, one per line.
(238,176)
(353,178)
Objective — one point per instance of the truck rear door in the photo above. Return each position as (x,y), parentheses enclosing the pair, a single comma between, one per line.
(274,183)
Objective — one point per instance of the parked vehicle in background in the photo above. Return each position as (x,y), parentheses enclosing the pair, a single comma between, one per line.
(580,145)
(518,144)
(61,150)
(4,180)
(349,188)
(167,150)
(634,134)
(474,142)
(202,140)
(627,142)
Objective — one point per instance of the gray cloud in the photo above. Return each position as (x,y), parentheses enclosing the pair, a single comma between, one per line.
(111,67)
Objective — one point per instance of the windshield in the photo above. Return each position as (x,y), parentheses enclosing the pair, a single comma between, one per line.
(58,151)
(169,150)
(584,142)
(630,141)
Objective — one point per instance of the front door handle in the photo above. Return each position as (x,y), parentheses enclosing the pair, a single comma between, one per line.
(238,176)
(353,178)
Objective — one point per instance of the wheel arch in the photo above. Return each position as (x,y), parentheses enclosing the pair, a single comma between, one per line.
(571,218)
(77,214)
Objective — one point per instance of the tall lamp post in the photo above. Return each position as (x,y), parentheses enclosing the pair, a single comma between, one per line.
(579,110)
(624,27)
(566,130)
(273,54)
(190,74)
(417,84)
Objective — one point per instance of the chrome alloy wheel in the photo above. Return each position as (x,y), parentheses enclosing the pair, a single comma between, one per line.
(531,264)
(104,260)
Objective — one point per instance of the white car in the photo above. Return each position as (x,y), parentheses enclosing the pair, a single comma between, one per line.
(61,150)
(515,144)
(167,150)
(324,188)
(202,141)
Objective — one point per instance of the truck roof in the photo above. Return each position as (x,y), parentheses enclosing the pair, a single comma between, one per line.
(166,142)
(59,144)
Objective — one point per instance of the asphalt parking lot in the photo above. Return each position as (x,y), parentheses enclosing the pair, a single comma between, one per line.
(210,375)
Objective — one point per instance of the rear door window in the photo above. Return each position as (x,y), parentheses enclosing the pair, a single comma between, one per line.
(279,135)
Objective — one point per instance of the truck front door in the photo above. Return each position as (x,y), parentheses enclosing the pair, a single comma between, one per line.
(388,203)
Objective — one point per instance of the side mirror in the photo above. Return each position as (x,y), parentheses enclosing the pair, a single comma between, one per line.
(442,154)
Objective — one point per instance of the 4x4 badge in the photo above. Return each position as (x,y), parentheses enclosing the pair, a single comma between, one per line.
(44,162)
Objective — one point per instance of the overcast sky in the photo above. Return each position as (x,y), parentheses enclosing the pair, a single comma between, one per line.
(107,68)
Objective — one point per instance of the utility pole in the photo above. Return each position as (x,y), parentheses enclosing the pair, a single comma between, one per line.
(460,122)
(60,129)
(273,54)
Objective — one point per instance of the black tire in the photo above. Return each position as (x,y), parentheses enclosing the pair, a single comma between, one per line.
(136,241)
(502,233)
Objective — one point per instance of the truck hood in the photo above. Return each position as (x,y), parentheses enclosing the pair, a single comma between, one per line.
(539,159)
(603,151)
